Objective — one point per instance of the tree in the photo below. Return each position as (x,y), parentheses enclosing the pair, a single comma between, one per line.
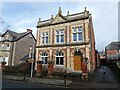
(4,25)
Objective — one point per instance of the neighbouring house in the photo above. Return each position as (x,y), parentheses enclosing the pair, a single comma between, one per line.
(16,48)
(112,51)
(68,41)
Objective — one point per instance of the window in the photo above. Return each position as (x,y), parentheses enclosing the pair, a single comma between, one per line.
(7,46)
(60,36)
(59,58)
(2,46)
(74,36)
(45,38)
(77,34)
(44,57)
(6,60)
(30,52)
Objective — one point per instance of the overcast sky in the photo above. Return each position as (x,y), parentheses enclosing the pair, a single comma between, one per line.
(24,15)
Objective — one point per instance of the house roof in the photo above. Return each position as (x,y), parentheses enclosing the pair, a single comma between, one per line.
(114,45)
(67,18)
(16,36)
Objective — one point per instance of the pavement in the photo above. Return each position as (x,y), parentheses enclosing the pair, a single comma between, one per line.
(38,80)
(70,84)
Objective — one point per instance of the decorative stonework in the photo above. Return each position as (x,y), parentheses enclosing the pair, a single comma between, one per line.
(68,47)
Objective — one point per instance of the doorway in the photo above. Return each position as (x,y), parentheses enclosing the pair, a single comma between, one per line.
(77,60)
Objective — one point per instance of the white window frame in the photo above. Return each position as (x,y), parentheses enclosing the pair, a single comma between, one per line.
(44,56)
(59,56)
(44,35)
(59,34)
(77,32)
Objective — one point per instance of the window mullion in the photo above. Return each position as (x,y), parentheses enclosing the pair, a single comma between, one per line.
(77,36)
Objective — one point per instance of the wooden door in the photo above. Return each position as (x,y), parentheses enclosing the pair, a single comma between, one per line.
(77,62)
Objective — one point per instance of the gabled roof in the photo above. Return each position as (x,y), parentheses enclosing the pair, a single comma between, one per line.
(114,46)
(16,36)
(12,33)
(67,18)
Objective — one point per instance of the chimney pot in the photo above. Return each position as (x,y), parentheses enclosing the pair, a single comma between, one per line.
(29,30)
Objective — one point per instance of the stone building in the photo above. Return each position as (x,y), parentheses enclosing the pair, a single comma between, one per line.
(15,47)
(68,41)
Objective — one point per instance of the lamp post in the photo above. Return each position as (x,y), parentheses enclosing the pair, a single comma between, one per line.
(32,58)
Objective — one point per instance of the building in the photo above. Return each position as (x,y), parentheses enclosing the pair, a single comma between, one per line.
(68,41)
(112,51)
(16,48)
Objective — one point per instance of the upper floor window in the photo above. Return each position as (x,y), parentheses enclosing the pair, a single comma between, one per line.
(45,38)
(60,36)
(77,33)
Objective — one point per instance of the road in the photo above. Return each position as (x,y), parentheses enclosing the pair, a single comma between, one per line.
(20,84)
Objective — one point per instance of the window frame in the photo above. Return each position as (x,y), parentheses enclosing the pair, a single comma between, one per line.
(44,38)
(59,54)
(59,36)
(77,32)
(43,56)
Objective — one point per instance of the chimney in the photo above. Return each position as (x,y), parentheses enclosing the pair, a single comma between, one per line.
(29,30)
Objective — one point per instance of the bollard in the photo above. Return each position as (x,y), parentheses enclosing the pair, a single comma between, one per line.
(65,79)
(24,77)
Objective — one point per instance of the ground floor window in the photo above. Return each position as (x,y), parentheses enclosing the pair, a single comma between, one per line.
(44,58)
(59,58)
(6,60)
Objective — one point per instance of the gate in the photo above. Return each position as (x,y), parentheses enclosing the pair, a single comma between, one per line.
(104,74)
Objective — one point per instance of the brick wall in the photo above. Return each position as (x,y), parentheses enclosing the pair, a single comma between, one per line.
(111,52)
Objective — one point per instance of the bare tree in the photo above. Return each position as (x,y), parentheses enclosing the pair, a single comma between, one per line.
(4,26)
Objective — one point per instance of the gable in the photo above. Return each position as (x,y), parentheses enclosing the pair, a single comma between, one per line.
(7,36)
(58,19)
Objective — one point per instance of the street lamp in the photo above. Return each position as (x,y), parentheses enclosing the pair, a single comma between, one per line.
(32,58)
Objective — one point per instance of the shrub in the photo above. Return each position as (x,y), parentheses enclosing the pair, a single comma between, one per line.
(3,62)
(39,62)
(50,62)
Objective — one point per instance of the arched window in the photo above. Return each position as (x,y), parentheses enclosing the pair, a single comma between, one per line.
(44,57)
(59,58)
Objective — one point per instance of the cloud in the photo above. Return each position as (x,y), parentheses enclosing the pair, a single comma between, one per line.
(25,15)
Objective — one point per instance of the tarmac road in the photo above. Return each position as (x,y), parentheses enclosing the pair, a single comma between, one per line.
(19,84)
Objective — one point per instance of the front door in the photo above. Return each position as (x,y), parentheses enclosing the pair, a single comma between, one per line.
(77,62)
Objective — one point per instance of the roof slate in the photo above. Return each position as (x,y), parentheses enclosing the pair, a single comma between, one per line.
(16,36)
(114,46)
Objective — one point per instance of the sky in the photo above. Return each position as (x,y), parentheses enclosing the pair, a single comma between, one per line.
(19,16)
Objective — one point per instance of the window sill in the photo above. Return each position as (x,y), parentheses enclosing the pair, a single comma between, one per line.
(77,41)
